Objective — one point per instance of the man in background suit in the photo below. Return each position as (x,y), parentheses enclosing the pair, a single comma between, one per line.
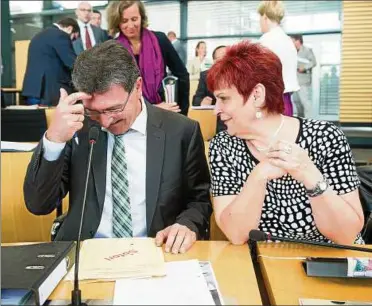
(202,95)
(178,45)
(306,62)
(49,64)
(96,18)
(90,35)
(149,171)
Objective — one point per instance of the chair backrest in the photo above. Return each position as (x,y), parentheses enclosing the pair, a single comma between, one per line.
(365,193)
(17,223)
(23,125)
(207,120)
(21,54)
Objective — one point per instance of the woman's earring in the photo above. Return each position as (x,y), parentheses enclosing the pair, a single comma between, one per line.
(258,110)
(258,113)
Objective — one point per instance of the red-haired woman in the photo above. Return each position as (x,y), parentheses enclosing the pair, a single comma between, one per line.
(287,176)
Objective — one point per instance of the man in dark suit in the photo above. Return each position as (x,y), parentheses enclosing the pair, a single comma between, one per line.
(149,171)
(202,95)
(178,46)
(90,35)
(50,61)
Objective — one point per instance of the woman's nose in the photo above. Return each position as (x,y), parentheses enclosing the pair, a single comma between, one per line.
(217,108)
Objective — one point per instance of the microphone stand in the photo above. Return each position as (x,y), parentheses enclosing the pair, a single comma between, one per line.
(76,292)
(252,245)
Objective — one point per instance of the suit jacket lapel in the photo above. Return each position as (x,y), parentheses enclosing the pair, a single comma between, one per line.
(99,164)
(154,161)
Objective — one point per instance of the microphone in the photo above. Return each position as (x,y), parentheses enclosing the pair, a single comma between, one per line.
(76,292)
(256,235)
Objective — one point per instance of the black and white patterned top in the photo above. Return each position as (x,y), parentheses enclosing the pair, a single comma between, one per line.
(286,210)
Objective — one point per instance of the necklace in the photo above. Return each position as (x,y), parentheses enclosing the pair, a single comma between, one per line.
(264,149)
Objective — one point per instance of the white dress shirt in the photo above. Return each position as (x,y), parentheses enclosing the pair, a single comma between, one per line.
(281,44)
(82,26)
(135,152)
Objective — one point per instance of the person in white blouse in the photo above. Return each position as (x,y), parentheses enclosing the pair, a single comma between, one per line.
(274,38)
(199,63)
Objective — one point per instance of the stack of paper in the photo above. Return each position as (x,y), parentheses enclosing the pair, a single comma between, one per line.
(22,107)
(111,259)
(17,146)
(184,284)
(203,107)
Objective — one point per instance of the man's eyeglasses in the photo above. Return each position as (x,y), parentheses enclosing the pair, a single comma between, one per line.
(85,10)
(107,112)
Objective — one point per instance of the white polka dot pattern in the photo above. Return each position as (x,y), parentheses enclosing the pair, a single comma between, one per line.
(286,210)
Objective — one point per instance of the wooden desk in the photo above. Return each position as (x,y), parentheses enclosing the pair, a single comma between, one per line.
(232,266)
(17,223)
(14,91)
(11,89)
(286,280)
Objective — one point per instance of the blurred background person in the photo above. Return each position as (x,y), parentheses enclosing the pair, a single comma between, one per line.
(152,51)
(90,35)
(274,38)
(306,61)
(199,63)
(96,19)
(178,45)
(203,96)
(279,174)
(50,62)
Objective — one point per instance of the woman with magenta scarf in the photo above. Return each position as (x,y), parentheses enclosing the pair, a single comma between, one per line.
(152,51)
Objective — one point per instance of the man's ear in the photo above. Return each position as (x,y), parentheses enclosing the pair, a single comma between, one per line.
(259,94)
(138,85)
(69,30)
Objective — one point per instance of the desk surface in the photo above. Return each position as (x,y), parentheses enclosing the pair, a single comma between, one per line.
(11,89)
(231,264)
(286,280)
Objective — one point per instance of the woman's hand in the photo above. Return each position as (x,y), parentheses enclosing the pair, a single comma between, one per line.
(173,106)
(266,171)
(295,160)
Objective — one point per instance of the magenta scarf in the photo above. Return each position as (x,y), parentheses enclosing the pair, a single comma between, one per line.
(151,64)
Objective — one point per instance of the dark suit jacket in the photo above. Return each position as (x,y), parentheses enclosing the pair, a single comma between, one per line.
(177,178)
(177,68)
(181,50)
(202,92)
(50,61)
(100,36)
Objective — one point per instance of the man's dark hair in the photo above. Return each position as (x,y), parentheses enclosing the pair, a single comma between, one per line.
(215,50)
(97,12)
(109,63)
(69,22)
(297,37)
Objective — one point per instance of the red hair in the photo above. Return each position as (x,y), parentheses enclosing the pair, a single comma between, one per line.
(244,66)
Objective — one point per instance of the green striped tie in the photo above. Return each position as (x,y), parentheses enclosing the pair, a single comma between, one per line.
(122,218)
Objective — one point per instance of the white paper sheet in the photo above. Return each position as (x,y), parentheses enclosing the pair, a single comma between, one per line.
(17,146)
(184,284)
